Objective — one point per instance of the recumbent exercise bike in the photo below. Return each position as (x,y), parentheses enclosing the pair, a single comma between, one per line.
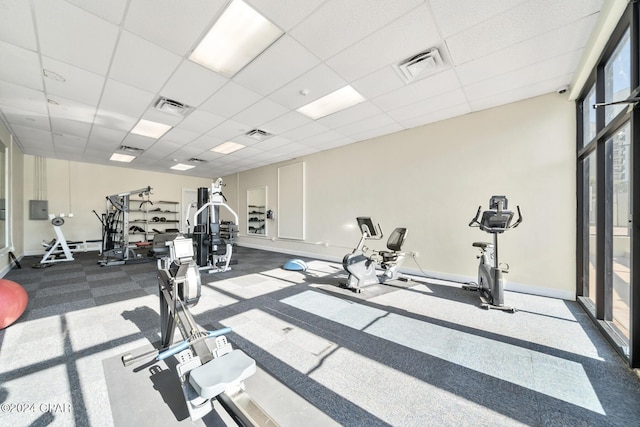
(362,268)
(496,220)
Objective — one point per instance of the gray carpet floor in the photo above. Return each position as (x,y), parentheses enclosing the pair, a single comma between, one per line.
(415,353)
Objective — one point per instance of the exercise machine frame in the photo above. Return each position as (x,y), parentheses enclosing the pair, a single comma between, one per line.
(362,269)
(59,249)
(208,230)
(115,230)
(206,372)
(496,220)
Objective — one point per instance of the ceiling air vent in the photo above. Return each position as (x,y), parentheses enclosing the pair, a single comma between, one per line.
(128,149)
(258,134)
(172,107)
(196,160)
(420,65)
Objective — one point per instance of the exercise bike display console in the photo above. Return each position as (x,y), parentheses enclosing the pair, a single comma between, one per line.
(362,268)
(496,220)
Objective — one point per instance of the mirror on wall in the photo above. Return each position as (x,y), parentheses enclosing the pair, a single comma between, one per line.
(3,195)
(257,211)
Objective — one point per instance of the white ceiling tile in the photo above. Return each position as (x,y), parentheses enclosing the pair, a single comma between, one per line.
(79,85)
(284,123)
(69,109)
(274,142)
(260,112)
(524,21)
(160,149)
(428,87)
(335,143)
(142,64)
(22,98)
(343,22)
(68,143)
(114,121)
(106,138)
(438,115)
(282,62)
(70,127)
(179,136)
(200,121)
(520,93)
(371,123)
(541,71)
(30,135)
(161,117)
(205,142)
(318,82)
(455,16)
(321,138)
(285,13)
(113,10)
(176,26)
(230,100)
(421,108)
(138,141)
(405,37)
(19,117)
(350,115)
(528,52)
(378,83)
(20,66)
(75,36)
(16,24)
(192,84)
(376,132)
(305,131)
(120,98)
(229,129)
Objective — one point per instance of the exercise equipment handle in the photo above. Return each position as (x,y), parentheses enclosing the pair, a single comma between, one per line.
(474,222)
(517,223)
(186,343)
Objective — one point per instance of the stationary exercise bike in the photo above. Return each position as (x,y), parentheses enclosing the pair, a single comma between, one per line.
(362,268)
(496,220)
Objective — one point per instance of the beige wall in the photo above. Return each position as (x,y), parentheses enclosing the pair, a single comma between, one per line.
(79,188)
(431,180)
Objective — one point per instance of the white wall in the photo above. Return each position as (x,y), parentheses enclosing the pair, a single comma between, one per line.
(79,188)
(431,180)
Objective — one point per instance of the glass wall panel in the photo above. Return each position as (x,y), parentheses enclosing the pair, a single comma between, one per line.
(589,117)
(589,221)
(617,77)
(620,209)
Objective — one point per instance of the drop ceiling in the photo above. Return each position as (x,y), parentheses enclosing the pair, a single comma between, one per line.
(77,75)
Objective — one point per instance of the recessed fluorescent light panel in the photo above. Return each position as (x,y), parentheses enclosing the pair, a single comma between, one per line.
(332,103)
(227,147)
(117,157)
(236,39)
(150,129)
(181,167)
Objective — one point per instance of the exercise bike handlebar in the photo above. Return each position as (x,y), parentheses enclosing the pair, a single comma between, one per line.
(475,223)
(186,343)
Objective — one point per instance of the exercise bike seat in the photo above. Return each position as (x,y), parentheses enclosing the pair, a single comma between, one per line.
(214,377)
(482,245)
(394,244)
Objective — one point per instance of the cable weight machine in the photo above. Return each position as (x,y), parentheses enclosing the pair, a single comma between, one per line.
(213,238)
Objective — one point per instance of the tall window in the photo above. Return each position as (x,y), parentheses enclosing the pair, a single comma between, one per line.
(608,168)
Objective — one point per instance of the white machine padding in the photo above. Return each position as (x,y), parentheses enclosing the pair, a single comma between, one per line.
(212,378)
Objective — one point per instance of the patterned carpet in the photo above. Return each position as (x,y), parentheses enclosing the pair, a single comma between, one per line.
(408,353)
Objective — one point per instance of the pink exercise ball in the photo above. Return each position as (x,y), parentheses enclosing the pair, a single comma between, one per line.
(13,302)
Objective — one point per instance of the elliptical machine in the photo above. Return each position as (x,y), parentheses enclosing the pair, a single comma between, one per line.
(495,220)
(362,268)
